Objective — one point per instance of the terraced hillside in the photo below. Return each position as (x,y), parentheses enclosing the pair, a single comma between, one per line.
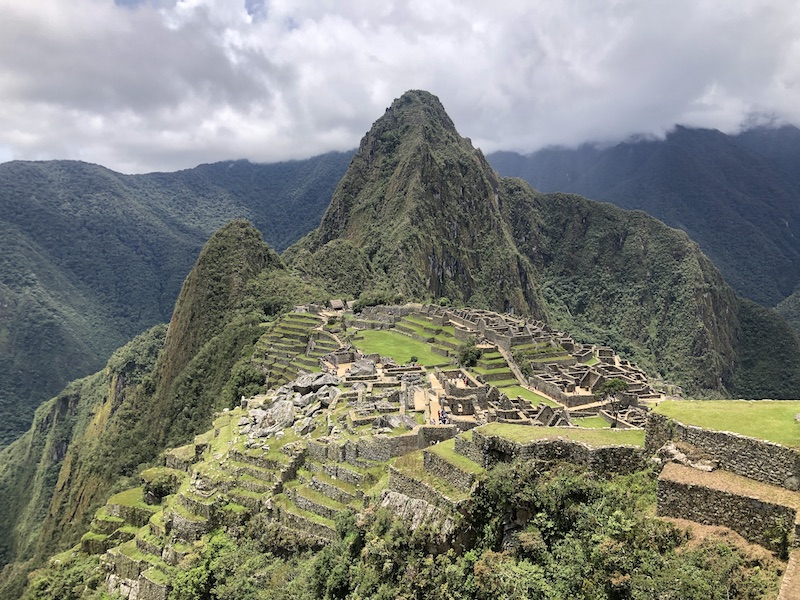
(344,460)
(319,450)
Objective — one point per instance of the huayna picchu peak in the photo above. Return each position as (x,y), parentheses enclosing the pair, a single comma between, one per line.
(454,387)
(423,206)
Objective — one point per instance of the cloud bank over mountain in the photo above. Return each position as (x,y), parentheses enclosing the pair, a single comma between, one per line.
(161,85)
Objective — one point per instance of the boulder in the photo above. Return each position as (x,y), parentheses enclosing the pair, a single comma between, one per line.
(362,368)
(304,400)
(304,426)
(312,409)
(275,418)
(325,379)
(304,383)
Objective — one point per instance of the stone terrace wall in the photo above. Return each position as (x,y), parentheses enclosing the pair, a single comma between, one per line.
(413,488)
(380,448)
(755,520)
(759,460)
(605,459)
(436,465)
(469,449)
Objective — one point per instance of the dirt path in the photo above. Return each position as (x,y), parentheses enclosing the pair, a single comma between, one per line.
(790,588)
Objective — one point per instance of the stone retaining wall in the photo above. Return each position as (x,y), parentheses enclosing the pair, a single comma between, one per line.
(413,488)
(185,529)
(438,466)
(755,520)
(294,521)
(132,514)
(756,459)
(605,459)
(344,474)
(469,449)
(311,506)
(151,590)
(331,491)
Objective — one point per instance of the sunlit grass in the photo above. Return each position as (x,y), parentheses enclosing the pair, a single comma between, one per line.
(398,347)
(771,420)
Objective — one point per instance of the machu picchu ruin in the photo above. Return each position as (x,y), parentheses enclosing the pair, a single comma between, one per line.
(339,429)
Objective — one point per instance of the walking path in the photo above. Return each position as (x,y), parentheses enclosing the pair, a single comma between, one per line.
(790,588)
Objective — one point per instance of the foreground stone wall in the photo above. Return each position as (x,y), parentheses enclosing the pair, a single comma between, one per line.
(755,520)
(756,459)
(605,459)
(469,449)
(436,465)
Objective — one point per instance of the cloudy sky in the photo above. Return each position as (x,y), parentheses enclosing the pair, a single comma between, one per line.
(144,85)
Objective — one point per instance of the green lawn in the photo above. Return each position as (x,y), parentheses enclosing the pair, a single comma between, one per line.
(593,437)
(771,420)
(398,347)
(517,390)
(592,422)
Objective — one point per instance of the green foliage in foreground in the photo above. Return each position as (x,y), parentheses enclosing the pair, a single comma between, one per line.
(771,420)
(582,537)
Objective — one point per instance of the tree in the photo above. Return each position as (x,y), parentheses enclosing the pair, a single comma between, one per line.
(608,392)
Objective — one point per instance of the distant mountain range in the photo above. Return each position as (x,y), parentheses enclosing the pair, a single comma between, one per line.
(89,257)
(737,196)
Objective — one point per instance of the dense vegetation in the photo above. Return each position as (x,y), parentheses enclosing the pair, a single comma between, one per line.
(530,532)
(89,258)
(101,430)
(737,196)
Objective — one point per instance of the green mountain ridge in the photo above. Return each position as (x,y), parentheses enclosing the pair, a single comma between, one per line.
(432,220)
(90,257)
(421,204)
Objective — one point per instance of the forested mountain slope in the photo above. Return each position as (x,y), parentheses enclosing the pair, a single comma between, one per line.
(738,197)
(90,257)
(156,391)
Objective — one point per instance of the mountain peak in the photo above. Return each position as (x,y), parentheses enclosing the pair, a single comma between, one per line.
(417,107)
(423,207)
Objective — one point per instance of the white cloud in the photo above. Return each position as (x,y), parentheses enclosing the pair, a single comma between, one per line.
(162,84)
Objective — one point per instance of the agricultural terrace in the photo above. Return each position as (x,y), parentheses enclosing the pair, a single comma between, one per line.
(593,437)
(397,346)
(771,420)
(512,391)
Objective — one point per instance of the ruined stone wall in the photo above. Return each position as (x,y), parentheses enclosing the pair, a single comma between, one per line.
(756,459)
(433,434)
(548,388)
(413,488)
(436,465)
(757,521)
(463,335)
(384,448)
(554,391)
(606,459)
(469,449)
